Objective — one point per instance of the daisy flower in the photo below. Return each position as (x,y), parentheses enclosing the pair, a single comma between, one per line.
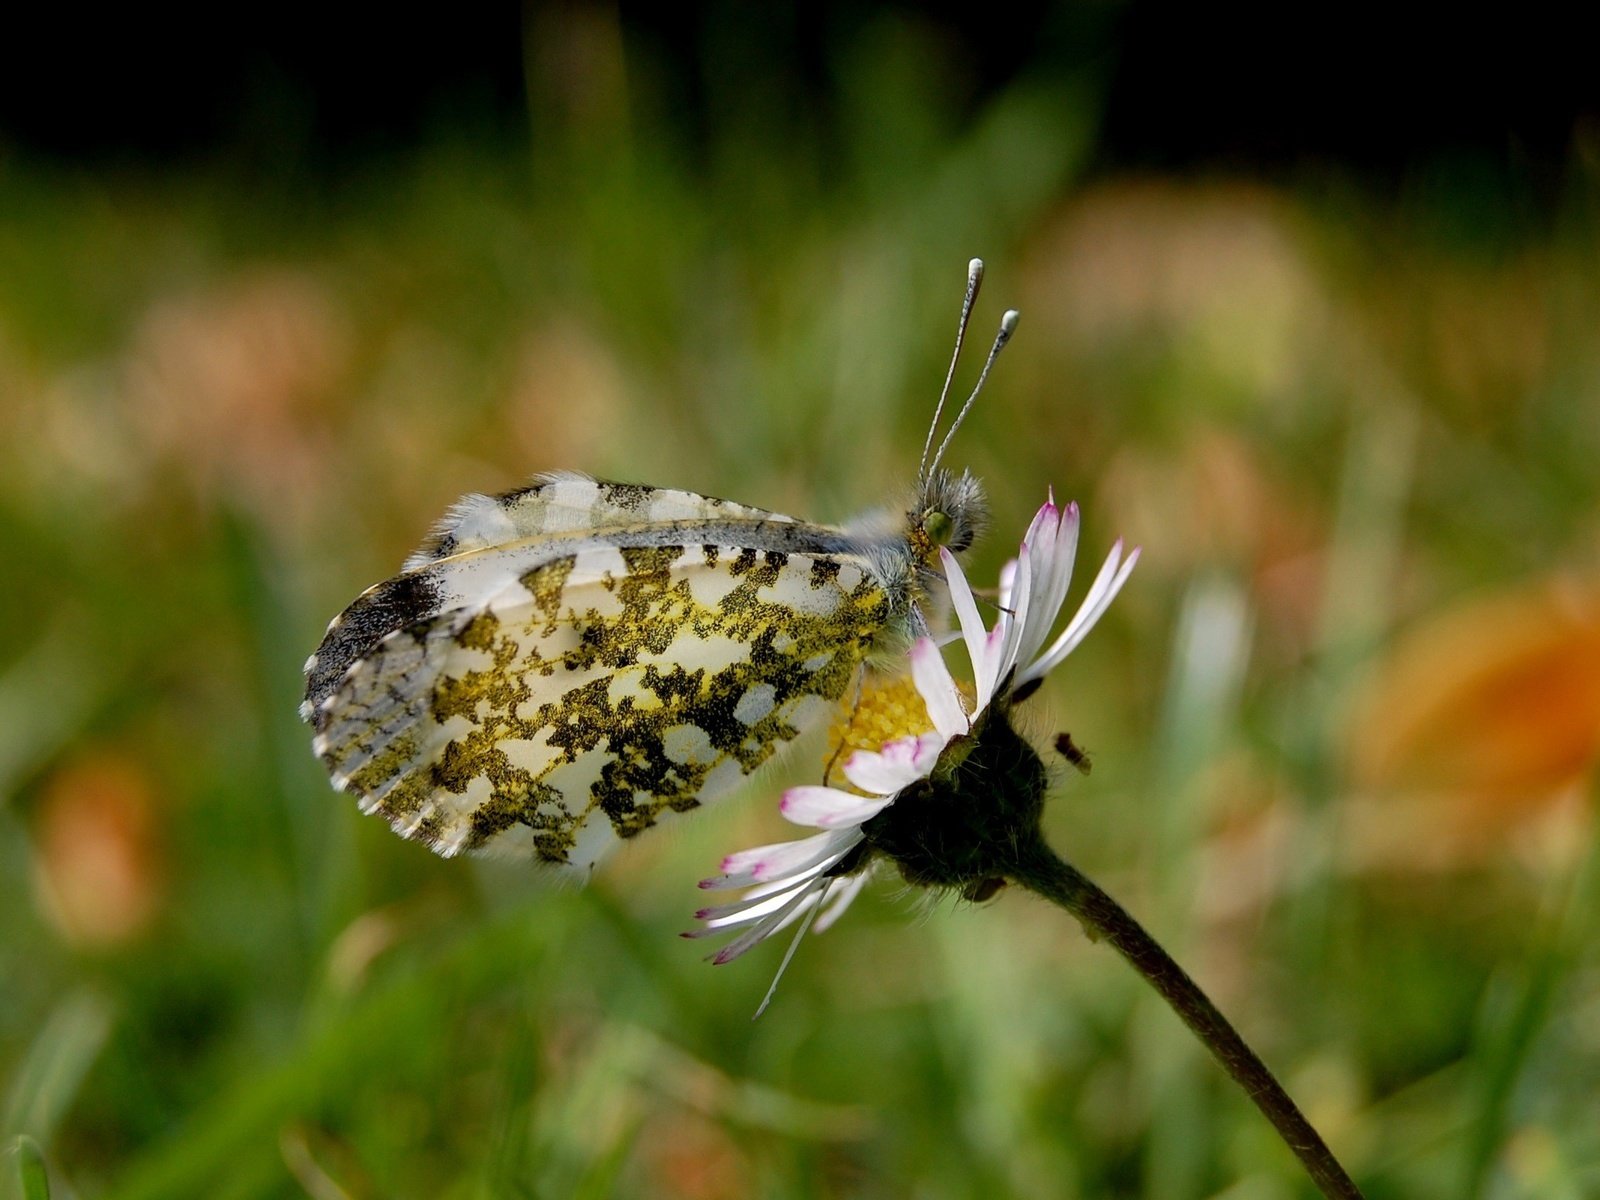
(813,880)
(959,806)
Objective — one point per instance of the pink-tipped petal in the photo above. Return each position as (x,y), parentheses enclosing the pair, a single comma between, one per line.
(793,907)
(1054,547)
(929,747)
(828,808)
(898,765)
(1044,523)
(763,864)
(754,906)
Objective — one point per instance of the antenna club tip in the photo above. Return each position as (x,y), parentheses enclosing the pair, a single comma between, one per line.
(975,269)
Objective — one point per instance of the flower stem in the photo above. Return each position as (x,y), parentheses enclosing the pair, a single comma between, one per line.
(1038,868)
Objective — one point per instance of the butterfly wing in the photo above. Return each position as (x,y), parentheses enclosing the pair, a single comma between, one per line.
(552,696)
(566,502)
(485,541)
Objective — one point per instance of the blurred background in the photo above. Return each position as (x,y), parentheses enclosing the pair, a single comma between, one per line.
(1311,310)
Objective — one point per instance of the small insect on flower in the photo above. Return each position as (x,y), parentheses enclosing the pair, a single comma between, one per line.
(558,668)
(1073,753)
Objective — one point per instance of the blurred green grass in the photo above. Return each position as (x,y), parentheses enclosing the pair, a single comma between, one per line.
(230,406)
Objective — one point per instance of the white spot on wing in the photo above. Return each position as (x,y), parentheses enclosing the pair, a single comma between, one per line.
(793,588)
(755,704)
(708,588)
(529,755)
(687,744)
(594,562)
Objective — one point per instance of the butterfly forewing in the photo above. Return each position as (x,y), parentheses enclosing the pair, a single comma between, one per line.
(485,543)
(555,694)
(569,503)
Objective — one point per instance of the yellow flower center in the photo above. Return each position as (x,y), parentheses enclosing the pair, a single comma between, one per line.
(890,707)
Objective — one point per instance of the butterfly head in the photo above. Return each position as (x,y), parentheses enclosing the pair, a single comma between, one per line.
(950,511)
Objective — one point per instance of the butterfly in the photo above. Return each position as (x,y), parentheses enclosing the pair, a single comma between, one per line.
(558,668)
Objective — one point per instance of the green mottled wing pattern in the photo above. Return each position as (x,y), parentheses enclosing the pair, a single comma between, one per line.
(552,694)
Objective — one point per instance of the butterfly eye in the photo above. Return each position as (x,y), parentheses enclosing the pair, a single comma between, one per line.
(940,528)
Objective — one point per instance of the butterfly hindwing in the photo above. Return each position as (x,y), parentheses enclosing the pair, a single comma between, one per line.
(553,695)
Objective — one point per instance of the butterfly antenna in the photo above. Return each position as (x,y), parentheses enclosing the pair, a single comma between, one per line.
(974,281)
(1008,326)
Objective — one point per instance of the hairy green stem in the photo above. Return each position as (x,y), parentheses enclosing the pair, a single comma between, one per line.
(1037,868)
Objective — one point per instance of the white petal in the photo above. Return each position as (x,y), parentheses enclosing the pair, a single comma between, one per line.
(987,667)
(1056,550)
(828,808)
(983,646)
(1008,575)
(1101,593)
(794,944)
(777,861)
(1013,617)
(972,629)
(938,690)
(755,906)
(793,907)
